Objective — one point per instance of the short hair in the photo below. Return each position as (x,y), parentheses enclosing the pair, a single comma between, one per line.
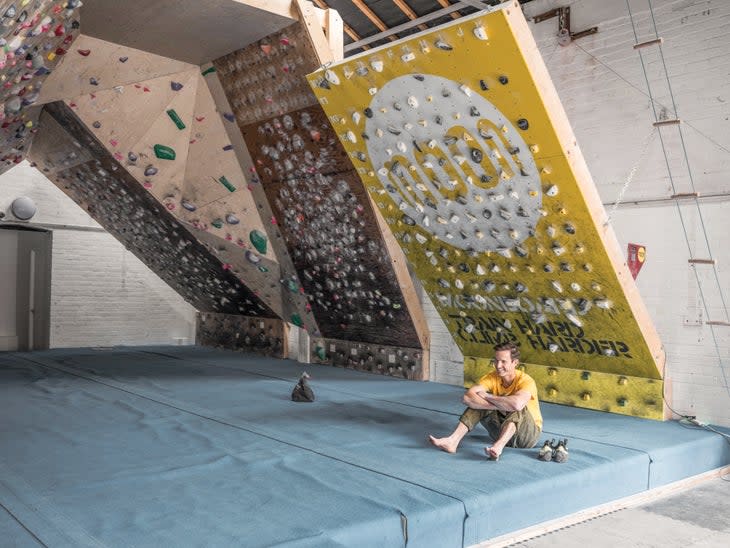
(513,347)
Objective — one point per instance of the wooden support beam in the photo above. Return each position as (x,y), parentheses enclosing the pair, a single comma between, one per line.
(702,261)
(374,19)
(347,28)
(405,8)
(685,195)
(726,324)
(648,43)
(309,18)
(661,123)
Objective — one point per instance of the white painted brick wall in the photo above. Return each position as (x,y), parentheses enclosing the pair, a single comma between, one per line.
(603,88)
(101,294)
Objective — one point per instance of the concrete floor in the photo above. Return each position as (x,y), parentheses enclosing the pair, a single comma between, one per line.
(696,518)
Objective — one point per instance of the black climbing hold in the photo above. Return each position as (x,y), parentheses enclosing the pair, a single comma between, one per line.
(474,111)
(407,220)
(485,178)
(483,85)
(487,214)
(450,140)
(439,120)
(368,112)
(513,150)
(96,124)
(523,124)
(419,77)
(476,155)
(503,79)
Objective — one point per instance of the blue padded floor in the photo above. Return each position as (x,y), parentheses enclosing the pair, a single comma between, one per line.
(190,446)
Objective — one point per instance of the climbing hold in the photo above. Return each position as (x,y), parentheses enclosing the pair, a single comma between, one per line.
(229,116)
(93,81)
(231,219)
(164,152)
(296,319)
(150,170)
(189,205)
(96,125)
(440,44)
(176,86)
(480,32)
(84,52)
(252,257)
(123,59)
(523,124)
(503,79)
(226,183)
(258,240)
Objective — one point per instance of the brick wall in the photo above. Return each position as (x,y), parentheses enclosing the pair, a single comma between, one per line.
(604,91)
(101,294)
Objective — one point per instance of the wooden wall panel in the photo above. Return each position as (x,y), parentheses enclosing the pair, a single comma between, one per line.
(35,38)
(461,140)
(233,332)
(319,204)
(70,156)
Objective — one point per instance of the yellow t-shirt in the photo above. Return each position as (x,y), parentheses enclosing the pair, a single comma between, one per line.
(523,381)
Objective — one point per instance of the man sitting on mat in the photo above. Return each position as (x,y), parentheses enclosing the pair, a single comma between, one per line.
(505,402)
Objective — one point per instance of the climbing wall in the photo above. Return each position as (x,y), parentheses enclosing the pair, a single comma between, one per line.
(234,332)
(460,139)
(74,159)
(35,36)
(321,213)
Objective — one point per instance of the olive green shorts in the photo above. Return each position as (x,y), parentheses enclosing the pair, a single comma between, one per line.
(527,433)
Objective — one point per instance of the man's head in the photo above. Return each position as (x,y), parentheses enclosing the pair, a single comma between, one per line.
(506,358)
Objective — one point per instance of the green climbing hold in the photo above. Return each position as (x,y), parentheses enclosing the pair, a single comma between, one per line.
(292,286)
(218,223)
(296,319)
(226,184)
(262,268)
(164,152)
(258,240)
(321,352)
(209,70)
(176,119)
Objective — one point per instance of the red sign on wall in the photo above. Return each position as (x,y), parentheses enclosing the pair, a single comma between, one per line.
(637,256)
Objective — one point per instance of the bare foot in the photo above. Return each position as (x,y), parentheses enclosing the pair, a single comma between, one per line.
(493,452)
(445,444)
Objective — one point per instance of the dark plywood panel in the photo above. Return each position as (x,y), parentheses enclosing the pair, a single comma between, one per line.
(70,156)
(319,203)
(268,78)
(261,335)
(329,226)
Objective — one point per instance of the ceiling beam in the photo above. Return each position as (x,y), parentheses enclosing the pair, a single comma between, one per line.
(405,8)
(374,19)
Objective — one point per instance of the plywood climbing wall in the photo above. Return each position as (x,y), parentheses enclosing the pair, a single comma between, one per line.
(36,36)
(318,203)
(460,139)
(76,161)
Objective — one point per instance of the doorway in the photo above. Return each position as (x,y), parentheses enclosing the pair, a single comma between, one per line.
(25,287)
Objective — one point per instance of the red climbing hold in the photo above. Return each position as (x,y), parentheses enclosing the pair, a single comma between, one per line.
(84,52)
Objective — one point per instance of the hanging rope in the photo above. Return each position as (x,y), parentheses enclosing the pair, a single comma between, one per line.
(674,190)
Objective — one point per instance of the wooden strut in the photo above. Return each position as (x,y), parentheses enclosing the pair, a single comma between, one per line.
(655,42)
(702,261)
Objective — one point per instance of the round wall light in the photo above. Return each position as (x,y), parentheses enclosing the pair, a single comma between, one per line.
(23,208)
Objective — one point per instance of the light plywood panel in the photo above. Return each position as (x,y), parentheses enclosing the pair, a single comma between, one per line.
(120,118)
(164,177)
(232,215)
(109,65)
